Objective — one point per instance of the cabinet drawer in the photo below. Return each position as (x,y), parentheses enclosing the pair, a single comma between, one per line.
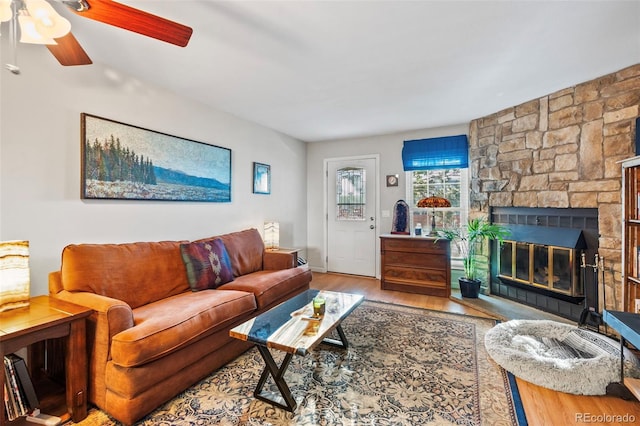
(418,260)
(415,245)
(416,276)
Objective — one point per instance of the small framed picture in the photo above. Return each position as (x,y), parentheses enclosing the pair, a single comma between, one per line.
(261,178)
(392,180)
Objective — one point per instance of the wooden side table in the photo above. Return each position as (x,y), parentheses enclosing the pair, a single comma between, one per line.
(50,318)
(292,251)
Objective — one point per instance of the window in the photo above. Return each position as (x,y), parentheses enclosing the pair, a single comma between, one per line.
(438,167)
(451,184)
(350,193)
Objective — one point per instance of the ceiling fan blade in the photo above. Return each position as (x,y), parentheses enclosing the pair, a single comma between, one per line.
(69,52)
(136,20)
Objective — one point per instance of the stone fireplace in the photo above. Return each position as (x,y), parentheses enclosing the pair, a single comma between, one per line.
(561,151)
(540,262)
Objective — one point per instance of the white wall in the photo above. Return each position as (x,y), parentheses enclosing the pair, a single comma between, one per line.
(389,147)
(40,163)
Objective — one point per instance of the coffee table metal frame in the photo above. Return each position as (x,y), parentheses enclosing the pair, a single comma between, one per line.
(291,321)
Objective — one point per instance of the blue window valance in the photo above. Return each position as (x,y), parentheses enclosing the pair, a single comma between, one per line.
(449,152)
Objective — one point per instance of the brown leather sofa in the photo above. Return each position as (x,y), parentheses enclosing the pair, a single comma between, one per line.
(150,336)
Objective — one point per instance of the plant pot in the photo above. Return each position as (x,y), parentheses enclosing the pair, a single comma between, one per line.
(469,288)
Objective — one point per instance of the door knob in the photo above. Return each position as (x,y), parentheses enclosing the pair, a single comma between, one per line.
(371,227)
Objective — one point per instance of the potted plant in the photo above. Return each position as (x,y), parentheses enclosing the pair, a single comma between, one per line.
(470,240)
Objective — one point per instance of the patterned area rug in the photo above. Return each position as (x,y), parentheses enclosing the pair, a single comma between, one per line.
(404,366)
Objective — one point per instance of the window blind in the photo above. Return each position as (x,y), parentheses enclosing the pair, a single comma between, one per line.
(448,152)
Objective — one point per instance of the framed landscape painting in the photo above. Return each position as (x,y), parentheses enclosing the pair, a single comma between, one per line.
(126,162)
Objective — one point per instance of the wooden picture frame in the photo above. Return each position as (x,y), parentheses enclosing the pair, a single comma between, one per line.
(126,162)
(261,178)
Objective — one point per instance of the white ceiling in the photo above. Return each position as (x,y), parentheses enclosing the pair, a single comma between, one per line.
(322,70)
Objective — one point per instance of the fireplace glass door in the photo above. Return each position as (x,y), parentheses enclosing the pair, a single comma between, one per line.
(562,270)
(541,269)
(506,254)
(522,262)
(548,267)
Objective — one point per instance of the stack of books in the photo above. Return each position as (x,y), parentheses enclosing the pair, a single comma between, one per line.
(20,398)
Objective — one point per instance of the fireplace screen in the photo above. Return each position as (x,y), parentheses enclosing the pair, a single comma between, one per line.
(549,267)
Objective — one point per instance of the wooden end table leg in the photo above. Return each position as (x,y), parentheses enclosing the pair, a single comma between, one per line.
(271,368)
(76,370)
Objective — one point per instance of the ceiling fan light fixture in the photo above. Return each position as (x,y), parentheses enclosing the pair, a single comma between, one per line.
(77,5)
(47,21)
(38,22)
(29,33)
(6,13)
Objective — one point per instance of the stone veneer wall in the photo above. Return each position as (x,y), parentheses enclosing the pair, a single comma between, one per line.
(562,150)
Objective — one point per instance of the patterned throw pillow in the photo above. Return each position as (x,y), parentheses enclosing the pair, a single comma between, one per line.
(207,263)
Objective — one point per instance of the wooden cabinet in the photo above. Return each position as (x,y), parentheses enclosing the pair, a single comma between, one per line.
(631,234)
(49,318)
(416,265)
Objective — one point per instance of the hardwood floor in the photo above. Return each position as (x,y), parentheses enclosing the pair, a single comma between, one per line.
(542,406)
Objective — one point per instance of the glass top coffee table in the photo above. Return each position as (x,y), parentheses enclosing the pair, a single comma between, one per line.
(291,327)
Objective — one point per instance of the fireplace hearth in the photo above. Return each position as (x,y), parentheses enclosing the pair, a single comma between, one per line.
(539,263)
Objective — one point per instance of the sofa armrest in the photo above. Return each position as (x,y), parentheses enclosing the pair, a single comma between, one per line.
(274,260)
(110,317)
(55,282)
(115,314)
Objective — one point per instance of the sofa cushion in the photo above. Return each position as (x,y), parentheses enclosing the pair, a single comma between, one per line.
(271,286)
(136,273)
(169,324)
(245,250)
(207,264)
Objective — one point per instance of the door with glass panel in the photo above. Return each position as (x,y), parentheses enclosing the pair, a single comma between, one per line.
(351,216)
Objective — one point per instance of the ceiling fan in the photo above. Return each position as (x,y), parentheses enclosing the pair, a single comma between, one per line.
(68,50)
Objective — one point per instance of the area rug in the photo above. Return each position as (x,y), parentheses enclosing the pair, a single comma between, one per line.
(404,366)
